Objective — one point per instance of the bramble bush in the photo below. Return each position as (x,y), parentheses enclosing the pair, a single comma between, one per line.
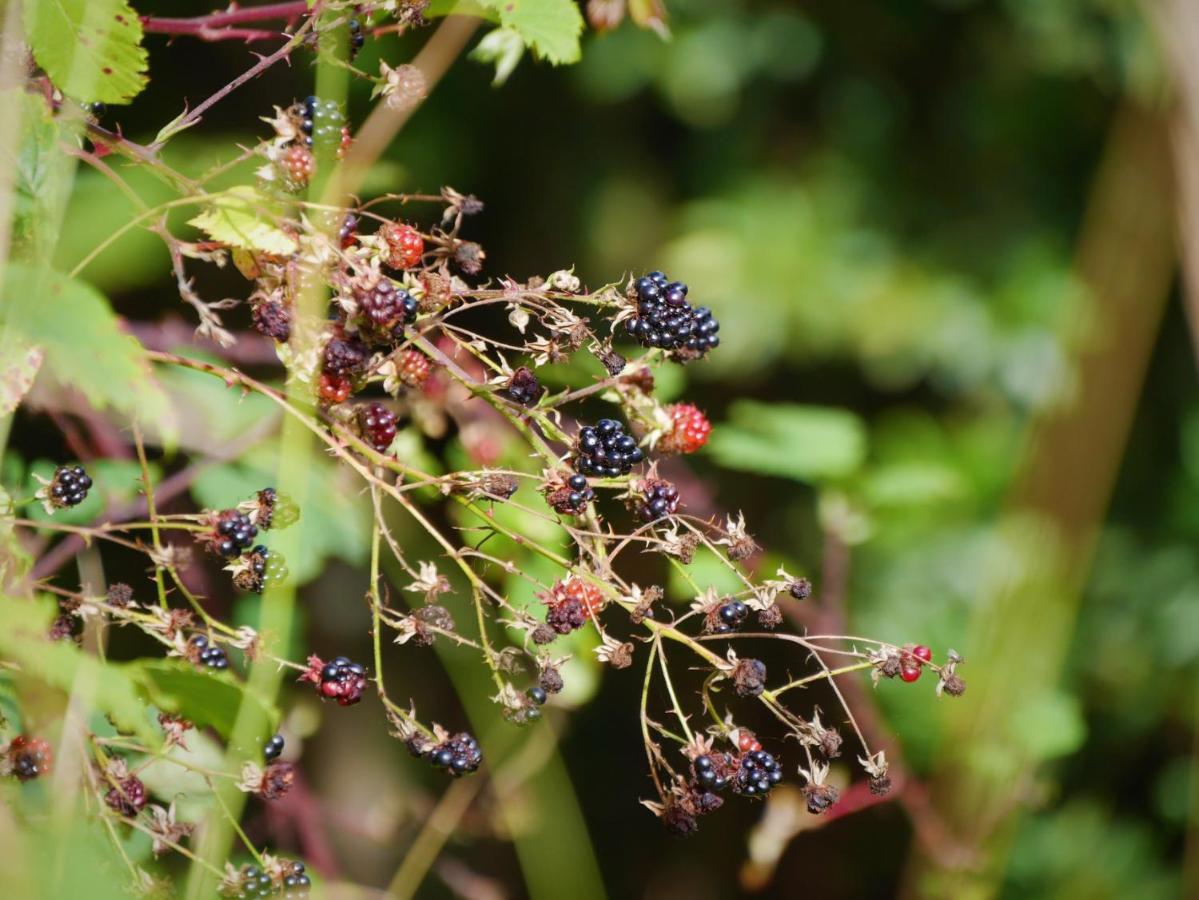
(514,423)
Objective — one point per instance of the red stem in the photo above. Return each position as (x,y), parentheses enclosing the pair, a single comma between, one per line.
(213,27)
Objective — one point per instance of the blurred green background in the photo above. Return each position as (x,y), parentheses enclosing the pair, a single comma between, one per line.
(938,236)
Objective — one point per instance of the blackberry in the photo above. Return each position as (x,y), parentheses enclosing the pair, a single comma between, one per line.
(572,497)
(273,748)
(659,499)
(253,882)
(800,589)
(322,122)
(357,38)
(730,616)
(345,357)
(272,319)
(296,881)
(667,321)
(537,695)
(234,533)
(207,654)
(567,616)
(605,451)
(387,307)
(711,772)
(757,773)
(127,798)
(523,387)
(275,510)
(264,568)
(571,603)
(378,424)
(459,754)
(29,758)
(343,681)
(69,486)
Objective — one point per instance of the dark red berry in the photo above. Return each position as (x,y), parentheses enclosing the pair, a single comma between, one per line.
(128,797)
(378,424)
(571,603)
(345,357)
(413,367)
(334,389)
(272,319)
(29,757)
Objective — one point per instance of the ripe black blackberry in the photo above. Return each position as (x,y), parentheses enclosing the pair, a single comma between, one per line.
(666,320)
(272,319)
(69,486)
(345,357)
(234,533)
(253,882)
(567,615)
(659,499)
(605,451)
(523,387)
(378,424)
(207,654)
(710,772)
(730,616)
(572,497)
(757,773)
(459,754)
(264,568)
(322,122)
(537,695)
(296,881)
(343,681)
(273,748)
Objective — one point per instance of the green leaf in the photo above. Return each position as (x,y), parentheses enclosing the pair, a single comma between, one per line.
(550,28)
(242,217)
(84,346)
(19,364)
(205,698)
(108,687)
(806,443)
(91,49)
(502,47)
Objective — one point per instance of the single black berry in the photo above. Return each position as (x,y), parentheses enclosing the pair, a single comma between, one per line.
(69,486)
(604,450)
(273,747)
(667,321)
(537,695)
(523,387)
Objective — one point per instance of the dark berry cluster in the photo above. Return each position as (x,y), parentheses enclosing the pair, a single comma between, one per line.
(296,881)
(69,486)
(710,773)
(127,797)
(322,123)
(459,754)
(207,654)
(523,387)
(343,681)
(571,603)
(729,616)
(605,450)
(572,497)
(357,38)
(235,532)
(386,308)
(345,357)
(659,498)
(758,772)
(666,320)
(273,747)
(253,882)
(272,319)
(378,425)
(29,757)
(264,568)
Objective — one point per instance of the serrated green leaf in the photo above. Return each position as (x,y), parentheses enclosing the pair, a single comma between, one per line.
(84,347)
(806,443)
(550,28)
(242,217)
(205,698)
(91,49)
(108,687)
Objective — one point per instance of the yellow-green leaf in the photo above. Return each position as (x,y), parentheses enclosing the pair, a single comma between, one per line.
(91,49)
(242,217)
(550,28)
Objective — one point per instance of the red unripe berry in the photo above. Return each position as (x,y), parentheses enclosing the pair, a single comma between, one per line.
(910,673)
(405,245)
(334,388)
(689,429)
(413,367)
(298,165)
(747,743)
(922,653)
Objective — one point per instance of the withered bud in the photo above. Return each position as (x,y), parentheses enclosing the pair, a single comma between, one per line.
(119,594)
(277,780)
(820,797)
(642,379)
(889,667)
(622,656)
(800,588)
(550,680)
(543,634)
(469,257)
(953,685)
(749,677)
(880,785)
(678,821)
(770,617)
(611,360)
(830,743)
